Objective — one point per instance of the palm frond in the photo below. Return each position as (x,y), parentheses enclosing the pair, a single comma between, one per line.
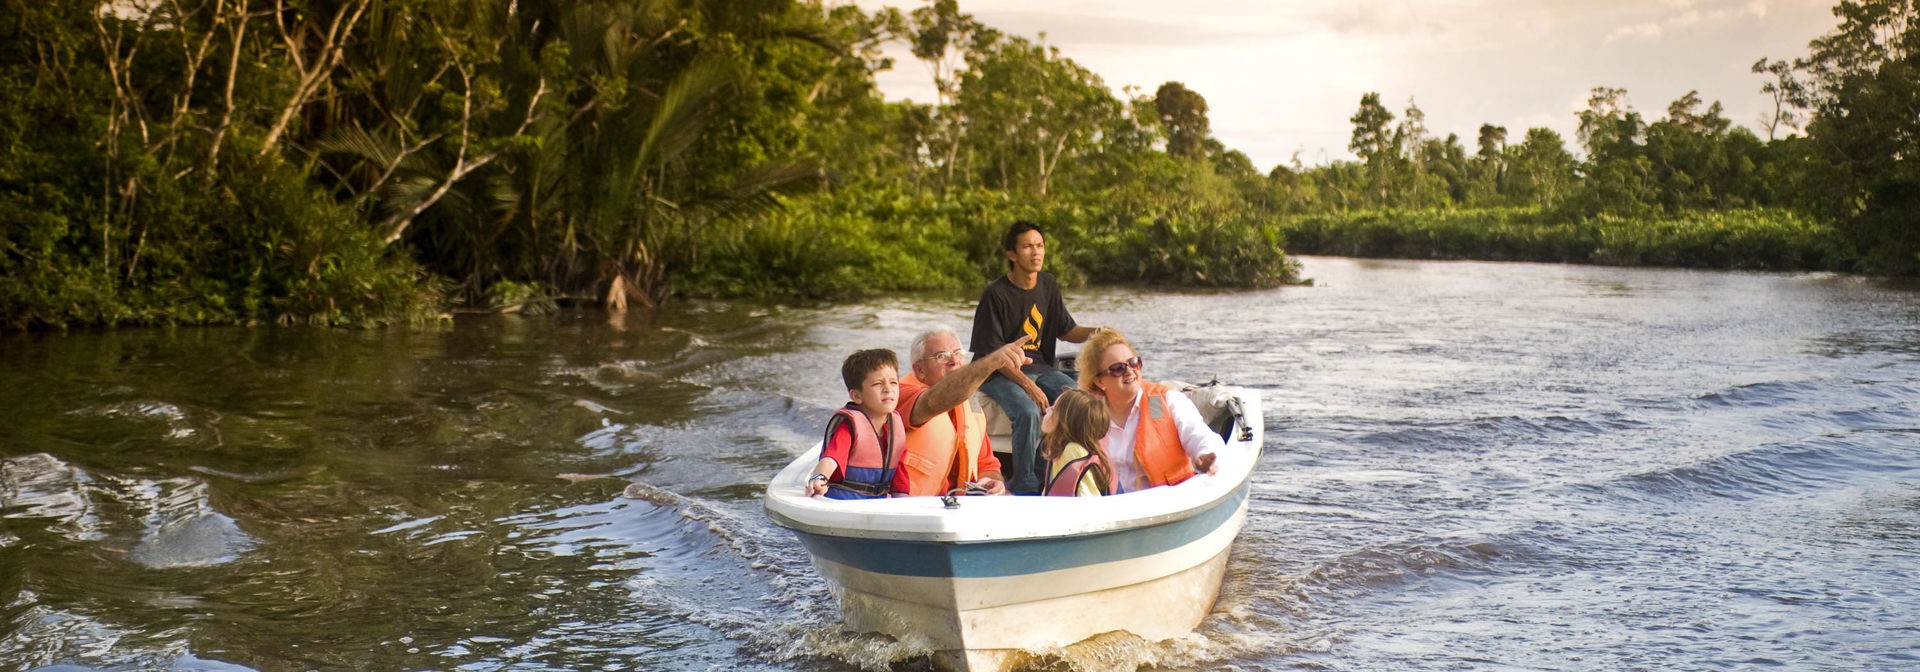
(354,140)
(403,194)
(680,114)
(757,191)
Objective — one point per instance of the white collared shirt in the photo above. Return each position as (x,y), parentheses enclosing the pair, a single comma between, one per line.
(1196,438)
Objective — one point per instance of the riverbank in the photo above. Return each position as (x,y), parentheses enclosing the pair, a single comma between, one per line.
(840,247)
(1756,238)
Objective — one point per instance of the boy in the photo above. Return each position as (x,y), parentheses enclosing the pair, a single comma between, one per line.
(865,440)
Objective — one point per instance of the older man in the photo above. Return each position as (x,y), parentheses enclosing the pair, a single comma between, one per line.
(947,445)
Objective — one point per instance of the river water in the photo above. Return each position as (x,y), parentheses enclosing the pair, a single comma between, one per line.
(1468,466)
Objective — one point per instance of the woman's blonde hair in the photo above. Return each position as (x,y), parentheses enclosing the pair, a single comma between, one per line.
(1081,417)
(1090,353)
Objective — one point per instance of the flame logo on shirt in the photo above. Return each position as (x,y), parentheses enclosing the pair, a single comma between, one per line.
(1032,327)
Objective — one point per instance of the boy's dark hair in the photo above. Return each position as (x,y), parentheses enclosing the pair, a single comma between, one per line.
(1014,230)
(861,363)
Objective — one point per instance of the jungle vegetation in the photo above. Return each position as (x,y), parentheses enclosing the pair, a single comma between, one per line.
(365,161)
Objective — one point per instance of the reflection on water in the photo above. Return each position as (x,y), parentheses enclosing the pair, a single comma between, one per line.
(41,487)
(1470,466)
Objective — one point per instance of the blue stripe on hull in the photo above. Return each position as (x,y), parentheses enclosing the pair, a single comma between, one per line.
(991,559)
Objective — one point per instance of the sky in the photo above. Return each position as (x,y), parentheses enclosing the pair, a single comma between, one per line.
(1282,77)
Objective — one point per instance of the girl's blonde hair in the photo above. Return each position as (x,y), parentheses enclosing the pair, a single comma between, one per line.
(1090,353)
(1081,417)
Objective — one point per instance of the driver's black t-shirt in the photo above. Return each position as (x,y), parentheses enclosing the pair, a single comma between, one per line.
(1007,312)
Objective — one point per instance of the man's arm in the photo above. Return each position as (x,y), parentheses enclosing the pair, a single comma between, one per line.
(1073,331)
(958,386)
(1034,392)
(1078,334)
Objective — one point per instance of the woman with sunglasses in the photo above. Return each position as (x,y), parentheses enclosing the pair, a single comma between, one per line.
(1156,436)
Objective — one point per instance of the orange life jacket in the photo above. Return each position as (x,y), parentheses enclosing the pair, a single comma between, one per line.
(871,462)
(1156,444)
(944,453)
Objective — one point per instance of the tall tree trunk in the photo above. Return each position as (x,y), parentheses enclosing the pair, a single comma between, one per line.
(397,225)
(239,31)
(312,73)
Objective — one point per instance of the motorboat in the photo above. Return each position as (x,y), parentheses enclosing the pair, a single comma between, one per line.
(985,583)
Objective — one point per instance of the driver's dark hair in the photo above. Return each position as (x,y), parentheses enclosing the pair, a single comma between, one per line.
(1014,230)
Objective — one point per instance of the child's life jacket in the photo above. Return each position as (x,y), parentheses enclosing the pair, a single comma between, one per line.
(871,461)
(1066,481)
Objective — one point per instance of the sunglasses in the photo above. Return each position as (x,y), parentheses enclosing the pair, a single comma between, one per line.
(1120,368)
(948,356)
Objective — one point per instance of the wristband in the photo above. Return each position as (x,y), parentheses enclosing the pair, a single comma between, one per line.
(817,477)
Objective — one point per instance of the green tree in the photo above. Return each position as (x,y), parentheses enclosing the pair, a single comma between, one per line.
(1787,94)
(1863,85)
(1029,107)
(1374,142)
(1424,170)
(1617,175)
(1183,117)
(942,38)
(1542,170)
(1487,172)
(1609,127)
(1372,130)
(1445,164)
(1697,161)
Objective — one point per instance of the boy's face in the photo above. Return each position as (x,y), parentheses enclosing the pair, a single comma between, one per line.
(878,392)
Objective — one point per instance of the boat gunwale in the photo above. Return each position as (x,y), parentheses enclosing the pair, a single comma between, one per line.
(952,536)
(926,520)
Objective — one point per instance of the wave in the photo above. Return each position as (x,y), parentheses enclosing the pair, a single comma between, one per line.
(1469,434)
(176,521)
(1778,468)
(1769,394)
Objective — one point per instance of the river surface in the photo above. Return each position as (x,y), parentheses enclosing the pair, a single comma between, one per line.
(1468,466)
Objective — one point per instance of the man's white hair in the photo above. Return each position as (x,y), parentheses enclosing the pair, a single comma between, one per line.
(919,349)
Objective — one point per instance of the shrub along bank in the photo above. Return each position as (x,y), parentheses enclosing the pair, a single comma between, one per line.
(1758,238)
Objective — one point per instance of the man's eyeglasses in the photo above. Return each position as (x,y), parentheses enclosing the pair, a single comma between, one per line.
(948,356)
(1120,368)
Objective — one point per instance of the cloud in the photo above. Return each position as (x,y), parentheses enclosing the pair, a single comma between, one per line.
(1639,31)
(1685,14)
(1064,29)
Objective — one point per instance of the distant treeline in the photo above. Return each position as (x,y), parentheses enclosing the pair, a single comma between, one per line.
(361,161)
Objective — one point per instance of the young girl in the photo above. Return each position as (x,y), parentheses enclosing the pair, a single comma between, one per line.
(1076,463)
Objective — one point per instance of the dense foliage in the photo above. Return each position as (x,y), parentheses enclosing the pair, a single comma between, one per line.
(1769,239)
(358,161)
